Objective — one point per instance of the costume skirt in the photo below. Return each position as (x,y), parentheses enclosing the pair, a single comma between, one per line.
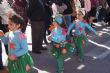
(58,51)
(19,65)
(80,40)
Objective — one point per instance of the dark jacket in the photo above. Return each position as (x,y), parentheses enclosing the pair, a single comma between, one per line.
(108,1)
(3,27)
(36,10)
(19,7)
(21,3)
(69,9)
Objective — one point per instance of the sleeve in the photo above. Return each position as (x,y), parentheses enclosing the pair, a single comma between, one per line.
(70,27)
(23,3)
(91,29)
(24,48)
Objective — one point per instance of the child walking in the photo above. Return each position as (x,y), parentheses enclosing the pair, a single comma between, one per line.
(19,60)
(60,48)
(79,36)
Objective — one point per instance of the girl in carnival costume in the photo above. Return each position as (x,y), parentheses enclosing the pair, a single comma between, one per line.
(79,35)
(60,49)
(19,60)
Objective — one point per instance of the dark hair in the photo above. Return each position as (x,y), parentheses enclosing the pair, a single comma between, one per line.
(18,20)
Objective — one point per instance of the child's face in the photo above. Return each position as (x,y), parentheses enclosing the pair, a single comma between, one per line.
(12,26)
(79,15)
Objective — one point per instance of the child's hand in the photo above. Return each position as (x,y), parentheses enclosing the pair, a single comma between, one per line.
(12,57)
(58,45)
(49,38)
(27,67)
(1,33)
(64,51)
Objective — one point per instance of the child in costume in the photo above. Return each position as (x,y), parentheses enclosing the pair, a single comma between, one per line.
(60,48)
(79,35)
(19,60)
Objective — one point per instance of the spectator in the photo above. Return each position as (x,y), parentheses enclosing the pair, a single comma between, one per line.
(36,14)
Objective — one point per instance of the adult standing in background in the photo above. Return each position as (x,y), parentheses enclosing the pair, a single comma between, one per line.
(48,18)
(68,12)
(87,5)
(108,1)
(63,7)
(20,6)
(93,11)
(36,14)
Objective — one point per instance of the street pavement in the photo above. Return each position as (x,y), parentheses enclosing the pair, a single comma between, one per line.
(97,56)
